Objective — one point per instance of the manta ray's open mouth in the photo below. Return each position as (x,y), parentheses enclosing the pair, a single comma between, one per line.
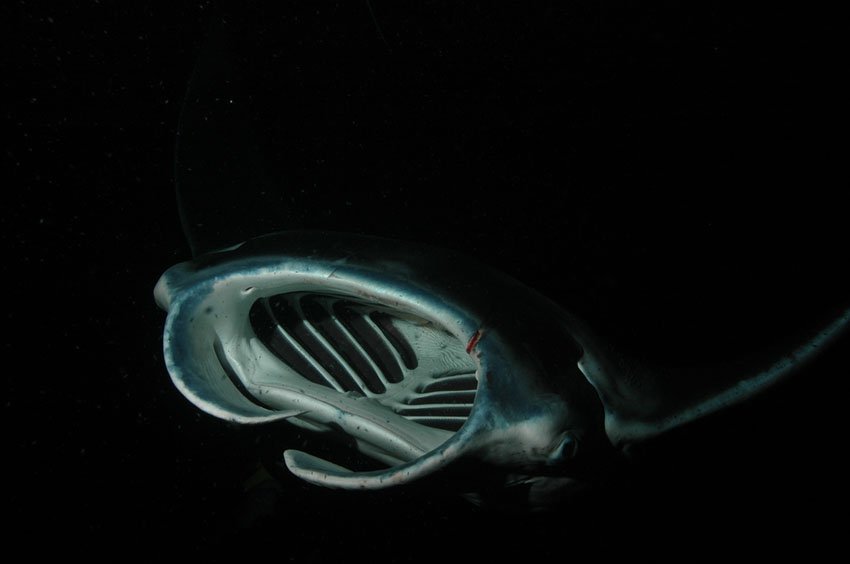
(405,363)
(419,358)
(319,345)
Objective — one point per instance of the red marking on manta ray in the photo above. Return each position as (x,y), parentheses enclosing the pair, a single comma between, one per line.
(473,341)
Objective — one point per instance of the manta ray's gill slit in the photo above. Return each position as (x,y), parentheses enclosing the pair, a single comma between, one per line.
(436,410)
(384,322)
(289,317)
(444,402)
(318,312)
(455,383)
(460,397)
(372,341)
(281,344)
(330,345)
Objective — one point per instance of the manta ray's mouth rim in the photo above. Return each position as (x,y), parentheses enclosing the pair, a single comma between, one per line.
(529,388)
(211,306)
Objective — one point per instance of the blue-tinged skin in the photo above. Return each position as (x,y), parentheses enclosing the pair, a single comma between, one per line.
(550,404)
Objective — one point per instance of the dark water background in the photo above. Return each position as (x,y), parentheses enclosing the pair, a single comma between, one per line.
(725,244)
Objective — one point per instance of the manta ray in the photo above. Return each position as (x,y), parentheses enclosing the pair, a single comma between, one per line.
(424,358)
(350,196)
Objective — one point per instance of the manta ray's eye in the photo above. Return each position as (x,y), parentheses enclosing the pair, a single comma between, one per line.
(565,451)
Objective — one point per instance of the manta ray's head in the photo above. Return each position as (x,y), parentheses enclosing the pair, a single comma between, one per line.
(425,360)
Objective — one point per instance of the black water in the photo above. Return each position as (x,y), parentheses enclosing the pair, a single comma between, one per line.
(695,215)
